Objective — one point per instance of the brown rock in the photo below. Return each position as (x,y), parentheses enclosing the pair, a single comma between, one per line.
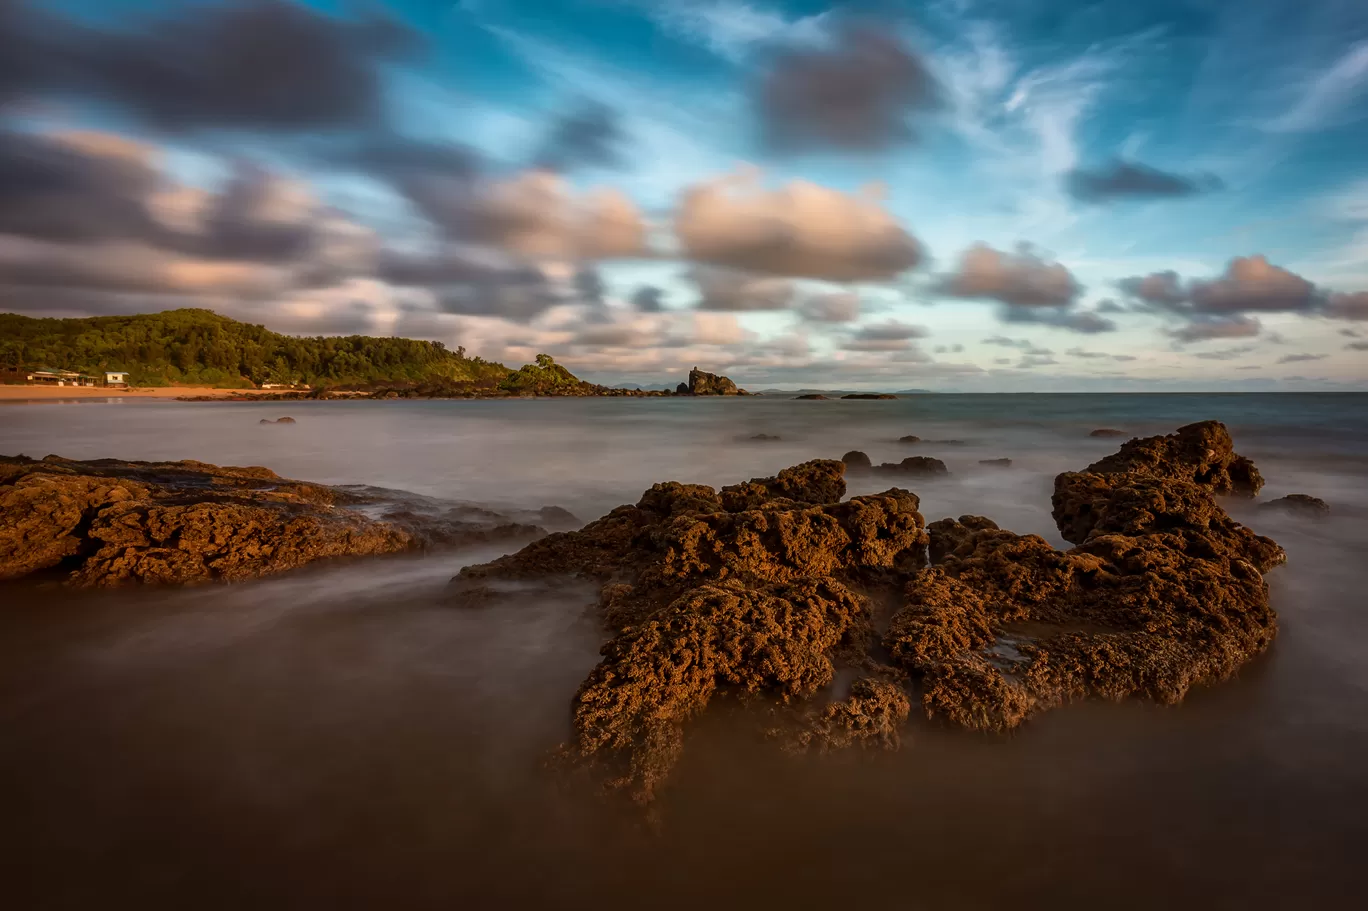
(915,466)
(1299,504)
(701,383)
(856,461)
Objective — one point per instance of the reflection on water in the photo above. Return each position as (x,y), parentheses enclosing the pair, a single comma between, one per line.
(348,737)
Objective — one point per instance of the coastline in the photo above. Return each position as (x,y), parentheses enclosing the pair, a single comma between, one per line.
(14,393)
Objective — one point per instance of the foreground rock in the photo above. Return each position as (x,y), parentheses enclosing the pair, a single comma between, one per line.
(107,522)
(753,589)
(1163,592)
(1299,504)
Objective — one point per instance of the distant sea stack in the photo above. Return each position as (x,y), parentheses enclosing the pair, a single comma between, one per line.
(701,383)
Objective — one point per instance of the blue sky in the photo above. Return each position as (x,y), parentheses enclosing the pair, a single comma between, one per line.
(986,196)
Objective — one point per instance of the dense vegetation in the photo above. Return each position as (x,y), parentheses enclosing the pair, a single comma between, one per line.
(199,347)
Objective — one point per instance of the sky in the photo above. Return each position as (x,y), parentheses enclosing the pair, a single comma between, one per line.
(963,195)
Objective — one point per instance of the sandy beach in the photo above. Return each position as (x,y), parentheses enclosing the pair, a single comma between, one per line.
(56,393)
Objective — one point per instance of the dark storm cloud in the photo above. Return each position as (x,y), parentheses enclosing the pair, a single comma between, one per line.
(590,136)
(589,285)
(252,64)
(1356,346)
(1122,180)
(859,94)
(1348,306)
(648,299)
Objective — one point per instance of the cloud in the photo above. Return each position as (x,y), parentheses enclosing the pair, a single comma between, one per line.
(890,335)
(1087,322)
(1348,306)
(736,290)
(1033,360)
(1207,328)
(1020,279)
(267,65)
(1122,180)
(1098,355)
(648,299)
(949,349)
(589,136)
(1349,333)
(1356,346)
(859,93)
(1325,95)
(534,214)
(833,307)
(1107,305)
(1024,344)
(1250,284)
(734,28)
(1298,358)
(1224,354)
(799,230)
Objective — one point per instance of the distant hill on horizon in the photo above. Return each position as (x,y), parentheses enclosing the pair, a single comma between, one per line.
(200,347)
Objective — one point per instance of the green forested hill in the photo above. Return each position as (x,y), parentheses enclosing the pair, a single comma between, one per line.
(200,347)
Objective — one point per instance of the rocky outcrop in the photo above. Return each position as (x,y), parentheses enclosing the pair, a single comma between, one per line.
(1299,504)
(996,463)
(869,396)
(285,420)
(1163,592)
(910,439)
(107,522)
(701,383)
(811,397)
(768,588)
(912,466)
(752,588)
(1104,432)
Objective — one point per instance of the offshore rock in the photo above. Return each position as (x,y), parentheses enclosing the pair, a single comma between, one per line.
(869,396)
(856,461)
(701,383)
(1104,432)
(811,397)
(1299,504)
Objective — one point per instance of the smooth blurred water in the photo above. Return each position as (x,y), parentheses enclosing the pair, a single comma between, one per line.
(346,736)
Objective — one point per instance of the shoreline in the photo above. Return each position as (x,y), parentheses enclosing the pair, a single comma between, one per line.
(14,393)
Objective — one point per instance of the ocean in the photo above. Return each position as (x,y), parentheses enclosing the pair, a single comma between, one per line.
(351,736)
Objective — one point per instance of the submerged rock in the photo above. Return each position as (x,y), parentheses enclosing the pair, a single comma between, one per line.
(996,463)
(1299,504)
(909,439)
(107,522)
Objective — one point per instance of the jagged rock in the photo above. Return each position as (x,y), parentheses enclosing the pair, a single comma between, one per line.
(996,463)
(1107,432)
(1202,453)
(1299,504)
(856,461)
(871,716)
(701,383)
(1163,592)
(107,522)
(811,397)
(869,396)
(746,588)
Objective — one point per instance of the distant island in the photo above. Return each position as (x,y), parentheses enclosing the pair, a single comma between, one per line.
(195,347)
